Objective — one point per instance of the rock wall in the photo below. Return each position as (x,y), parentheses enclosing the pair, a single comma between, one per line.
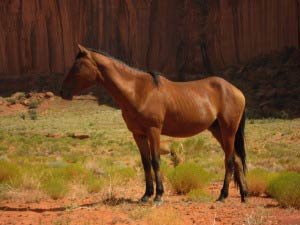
(181,38)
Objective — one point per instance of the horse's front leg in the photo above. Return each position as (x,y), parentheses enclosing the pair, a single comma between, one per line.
(154,141)
(143,145)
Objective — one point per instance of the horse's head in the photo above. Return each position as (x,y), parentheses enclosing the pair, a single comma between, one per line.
(83,74)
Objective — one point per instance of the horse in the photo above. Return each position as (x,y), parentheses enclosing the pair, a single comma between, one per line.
(152,106)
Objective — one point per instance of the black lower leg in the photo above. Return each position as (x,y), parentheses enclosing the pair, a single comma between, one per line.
(159,184)
(149,182)
(224,191)
(239,179)
(227,178)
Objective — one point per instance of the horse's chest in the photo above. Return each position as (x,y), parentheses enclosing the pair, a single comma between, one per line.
(138,123)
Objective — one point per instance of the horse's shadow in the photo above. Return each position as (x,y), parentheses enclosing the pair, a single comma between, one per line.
(109,201)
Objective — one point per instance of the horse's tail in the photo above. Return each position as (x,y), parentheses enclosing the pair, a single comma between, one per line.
(239,146)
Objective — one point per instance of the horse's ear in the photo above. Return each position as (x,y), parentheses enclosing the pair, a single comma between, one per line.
(82,49)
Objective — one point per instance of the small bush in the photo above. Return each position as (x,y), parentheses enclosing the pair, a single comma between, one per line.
(68,173)
(21,96)
(56,188)
(74,173)
(188,176)
(198,195)
(285,189)
(3,148)
(34,104)
(194,144)
(8,172)
(22,116)
(94,184)
(32,114)
(74,157)
(11,101)
(122,175)
(258,181)
(29,181)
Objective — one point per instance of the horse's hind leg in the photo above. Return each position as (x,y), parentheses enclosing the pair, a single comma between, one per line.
(240,159)
(228,146)
(225,137)
(239,177)
(227,143)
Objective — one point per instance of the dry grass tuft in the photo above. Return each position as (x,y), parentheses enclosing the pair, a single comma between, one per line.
(188,176)
(285,189)
(199,195)
(258,181)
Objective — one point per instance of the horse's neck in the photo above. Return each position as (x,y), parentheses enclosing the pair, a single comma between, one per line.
(120,83)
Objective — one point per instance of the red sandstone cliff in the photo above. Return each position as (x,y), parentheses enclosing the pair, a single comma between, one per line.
(177,37)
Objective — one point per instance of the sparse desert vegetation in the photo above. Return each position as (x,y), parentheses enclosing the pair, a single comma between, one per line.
(188,176)
(285,189)
(258,180)
(41,158)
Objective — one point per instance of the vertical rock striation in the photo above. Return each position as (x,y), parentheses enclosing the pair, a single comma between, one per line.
(181,38)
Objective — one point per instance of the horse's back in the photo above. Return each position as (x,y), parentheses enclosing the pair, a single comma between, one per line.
(215,88)
(193,106)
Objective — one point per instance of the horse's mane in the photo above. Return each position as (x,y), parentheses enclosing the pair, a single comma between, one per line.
(155,75)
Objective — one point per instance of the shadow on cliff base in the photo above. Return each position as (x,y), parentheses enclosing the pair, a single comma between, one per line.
(52,82)
(270,83)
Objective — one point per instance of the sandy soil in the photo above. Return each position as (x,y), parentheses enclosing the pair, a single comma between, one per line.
(127,209)
(93,210)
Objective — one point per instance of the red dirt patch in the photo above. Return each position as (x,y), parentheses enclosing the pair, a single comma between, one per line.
(93,210)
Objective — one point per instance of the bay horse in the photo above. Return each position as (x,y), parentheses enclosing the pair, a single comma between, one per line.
(152,105)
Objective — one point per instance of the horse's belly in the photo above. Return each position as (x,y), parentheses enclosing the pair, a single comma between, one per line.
(186,129)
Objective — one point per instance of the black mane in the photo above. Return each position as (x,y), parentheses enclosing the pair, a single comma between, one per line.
(154,75)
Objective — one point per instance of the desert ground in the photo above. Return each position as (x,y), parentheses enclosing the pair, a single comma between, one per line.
(65,162)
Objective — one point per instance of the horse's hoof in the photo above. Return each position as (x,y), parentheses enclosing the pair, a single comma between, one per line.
(158,201)
(220,200)
(244,200)
(144,199)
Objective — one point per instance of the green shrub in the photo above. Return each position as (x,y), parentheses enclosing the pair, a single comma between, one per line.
(94,184)
(74,157)
(3,148)
(32,114)
(198,195)
(55,187)
(285,189)
(21,96)
(68,173)
(8,172)
(122,175)
(11,101)
(22,116)
(34,104)
(194,144)
(258,181)
(188,176)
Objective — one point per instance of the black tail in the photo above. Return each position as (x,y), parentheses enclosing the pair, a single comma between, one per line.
(239,143)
